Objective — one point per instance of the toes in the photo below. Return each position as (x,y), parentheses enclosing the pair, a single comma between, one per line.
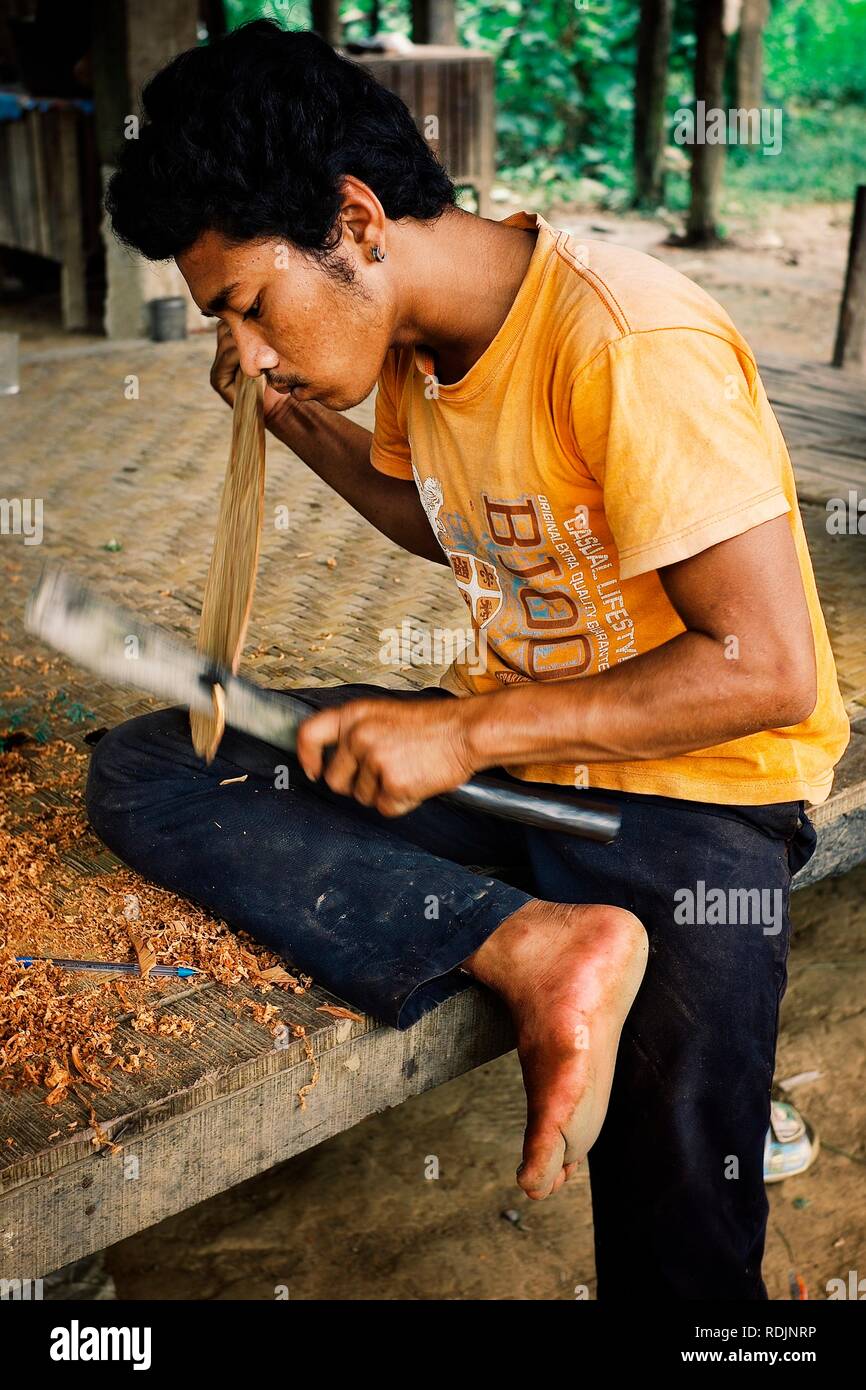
(575,1151)
(543,1155)
(564,1175)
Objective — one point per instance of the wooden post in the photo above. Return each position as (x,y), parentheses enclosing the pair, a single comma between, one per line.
(325,15)
(112,96)
(750,53)
(214,16)
(7,45)
(434,21)
(651,76)
(707,160)
(850,349)
(73,289)
(130,43)
(485,81)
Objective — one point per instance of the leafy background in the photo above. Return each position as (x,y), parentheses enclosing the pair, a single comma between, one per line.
(564,89)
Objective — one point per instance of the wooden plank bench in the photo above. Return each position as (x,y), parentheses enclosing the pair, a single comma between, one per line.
(208,1118)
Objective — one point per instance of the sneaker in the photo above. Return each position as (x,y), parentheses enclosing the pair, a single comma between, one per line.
(791,1145)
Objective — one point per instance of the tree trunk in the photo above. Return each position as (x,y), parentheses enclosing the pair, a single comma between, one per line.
(434,21)
(212,13)
(707,159)
(850,349)
(325,15)
(651,75)
(750,53)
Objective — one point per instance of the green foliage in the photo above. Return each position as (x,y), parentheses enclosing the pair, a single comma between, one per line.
(815,51)
(822,157)
(565,96)
(295,14)
(564,90)
(291,14)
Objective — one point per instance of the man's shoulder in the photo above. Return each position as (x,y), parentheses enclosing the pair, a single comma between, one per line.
(607,293)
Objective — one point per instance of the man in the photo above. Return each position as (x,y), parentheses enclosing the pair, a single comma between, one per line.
(582,435)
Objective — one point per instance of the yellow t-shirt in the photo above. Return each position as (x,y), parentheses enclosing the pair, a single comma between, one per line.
(615,424)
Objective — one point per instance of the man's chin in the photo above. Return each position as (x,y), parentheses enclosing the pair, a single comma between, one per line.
(337,399)
(334,397)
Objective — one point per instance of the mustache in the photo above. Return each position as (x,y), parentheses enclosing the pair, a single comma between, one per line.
(284,382)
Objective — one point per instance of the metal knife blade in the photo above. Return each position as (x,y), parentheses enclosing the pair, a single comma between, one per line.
(122,648)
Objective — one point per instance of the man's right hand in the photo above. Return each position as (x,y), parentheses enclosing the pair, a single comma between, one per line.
(224,370)
(337,448)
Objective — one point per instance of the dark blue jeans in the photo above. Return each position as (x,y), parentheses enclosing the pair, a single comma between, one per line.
(382,912)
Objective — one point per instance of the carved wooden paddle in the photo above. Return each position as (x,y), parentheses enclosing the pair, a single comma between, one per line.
(231,578)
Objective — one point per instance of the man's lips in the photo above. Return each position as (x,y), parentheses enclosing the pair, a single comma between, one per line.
(295,393)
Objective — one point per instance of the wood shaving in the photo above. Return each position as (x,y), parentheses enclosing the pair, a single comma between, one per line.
(145,953)
(58,1028)
(337,1012)
(165,1025)
(262,1013)
(100,1139)
(300,1031)
(47,1034)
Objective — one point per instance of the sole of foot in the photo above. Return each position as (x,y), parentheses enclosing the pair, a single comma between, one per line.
(569,1020)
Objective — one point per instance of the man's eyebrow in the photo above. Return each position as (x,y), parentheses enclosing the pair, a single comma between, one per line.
(219,301)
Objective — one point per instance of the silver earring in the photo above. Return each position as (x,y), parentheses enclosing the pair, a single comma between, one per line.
(377,253)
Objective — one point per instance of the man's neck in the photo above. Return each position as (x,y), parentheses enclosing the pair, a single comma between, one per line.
(459,279)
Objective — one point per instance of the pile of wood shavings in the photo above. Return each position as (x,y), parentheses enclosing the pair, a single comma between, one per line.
(57,1027)
(52,1037)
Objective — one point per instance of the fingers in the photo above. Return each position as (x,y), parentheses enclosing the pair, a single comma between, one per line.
(354,767)
(225,364)
(341,770)
(367,788)
(391,806)
(314,735)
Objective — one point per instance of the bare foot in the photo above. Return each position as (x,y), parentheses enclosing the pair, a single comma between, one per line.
(569,976)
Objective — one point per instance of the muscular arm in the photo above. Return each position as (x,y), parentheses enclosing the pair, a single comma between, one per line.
(695,691)
(338,450)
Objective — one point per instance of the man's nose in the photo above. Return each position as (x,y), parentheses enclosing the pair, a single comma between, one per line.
(254,354)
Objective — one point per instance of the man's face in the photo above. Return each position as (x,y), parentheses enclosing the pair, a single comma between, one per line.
(294,322)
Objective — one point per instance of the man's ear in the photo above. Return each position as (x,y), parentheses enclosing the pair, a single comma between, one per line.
(363,216)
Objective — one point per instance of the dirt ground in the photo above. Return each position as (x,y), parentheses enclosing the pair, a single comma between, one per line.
(356,1218)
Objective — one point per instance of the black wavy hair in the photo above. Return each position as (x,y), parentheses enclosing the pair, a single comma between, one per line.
(251,135)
